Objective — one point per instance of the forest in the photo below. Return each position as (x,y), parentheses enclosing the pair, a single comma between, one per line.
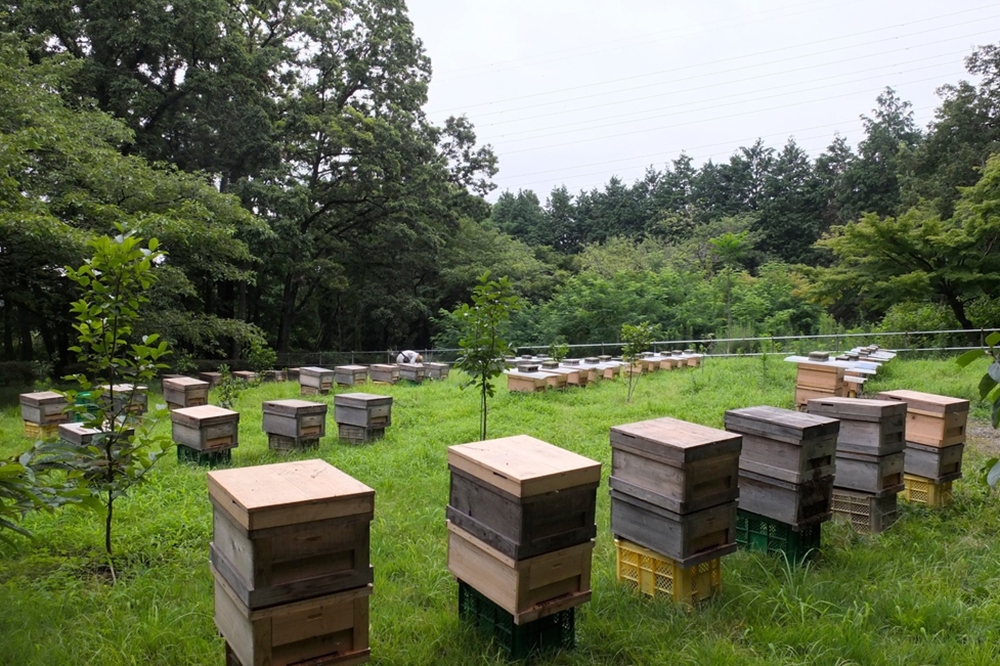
(280,154)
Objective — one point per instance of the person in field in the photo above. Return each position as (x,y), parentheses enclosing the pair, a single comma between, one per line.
(409,356)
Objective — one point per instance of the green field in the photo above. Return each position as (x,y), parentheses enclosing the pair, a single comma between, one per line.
(925,592)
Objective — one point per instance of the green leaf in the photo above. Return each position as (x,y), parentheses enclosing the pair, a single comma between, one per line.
(993,338)
(995,420)
(986,385)
(993,476)
(994,371)
(969,357)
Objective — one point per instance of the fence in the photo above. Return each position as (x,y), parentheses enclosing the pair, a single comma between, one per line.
(937,341)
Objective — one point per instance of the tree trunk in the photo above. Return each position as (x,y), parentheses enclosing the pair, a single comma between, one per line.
(287,313)
(8,331)
(958,309)
(27,352)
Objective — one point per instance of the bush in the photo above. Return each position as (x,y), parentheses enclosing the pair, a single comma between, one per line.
(16,373)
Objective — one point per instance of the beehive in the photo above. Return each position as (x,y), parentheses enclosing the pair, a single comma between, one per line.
(870,427)
(674,464)
(245,375)
(44,408)
(437,370)
(290,531)
(935,463)
(412,372)
(364,410)
(932,420)
(181,392)
(875,475)
(80,435)
(122,398)
(796,505)
(384,373)
(213,378)
(784,444)
(205,428)
(522,496)
(350,375)
(314,380)
(526,382)
(293,423)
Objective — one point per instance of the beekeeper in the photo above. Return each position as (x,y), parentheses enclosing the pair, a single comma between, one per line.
(409,356)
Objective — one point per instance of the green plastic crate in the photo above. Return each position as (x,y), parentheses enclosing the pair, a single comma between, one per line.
(204,458)
(518,641)
(757,533)
(84,399)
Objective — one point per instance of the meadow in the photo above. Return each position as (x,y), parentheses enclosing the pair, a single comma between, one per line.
(925,592)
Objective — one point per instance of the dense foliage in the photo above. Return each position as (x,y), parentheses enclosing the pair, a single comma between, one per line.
(281,154)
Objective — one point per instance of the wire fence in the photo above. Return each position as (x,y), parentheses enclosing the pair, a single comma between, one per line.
(910,342)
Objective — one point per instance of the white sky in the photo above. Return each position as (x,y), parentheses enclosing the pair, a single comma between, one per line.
(575,91)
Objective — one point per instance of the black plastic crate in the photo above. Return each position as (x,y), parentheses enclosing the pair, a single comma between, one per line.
(518,641)
(203,458)
(754,532)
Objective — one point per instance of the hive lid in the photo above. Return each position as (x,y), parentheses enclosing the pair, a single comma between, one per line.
(202,415)
(856,409)
(524,466)
(41,398)
(361,400)
(293,406)
(383,367)
(351,368)
(926,402)
(314,370)
(288,493)
(674,441)
(181,382)
(785,425)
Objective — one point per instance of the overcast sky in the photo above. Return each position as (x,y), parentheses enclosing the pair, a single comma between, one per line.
(576,91)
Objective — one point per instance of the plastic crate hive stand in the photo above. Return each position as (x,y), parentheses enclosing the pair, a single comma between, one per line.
(865,513)
(552,632)
(761,534)
(924,491)
(650,573)
(35,431)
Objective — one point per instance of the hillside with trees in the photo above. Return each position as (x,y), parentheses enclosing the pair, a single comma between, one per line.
(281,155)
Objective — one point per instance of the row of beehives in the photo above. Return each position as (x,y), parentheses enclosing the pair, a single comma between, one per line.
(291,541)
(822,376)
(534,374)
(316,380)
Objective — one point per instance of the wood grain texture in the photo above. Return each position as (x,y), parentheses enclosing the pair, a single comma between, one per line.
(791,462)
(315,377)
(936,463)
(926,402)
(689,539)
(524,466)
(527,589)
(185,391)
(696,485)
(674,441)
(364,410)
(288,493)
(386,373)
(44,408)
(797,505)
(781,424)
(295,419)
(875,475)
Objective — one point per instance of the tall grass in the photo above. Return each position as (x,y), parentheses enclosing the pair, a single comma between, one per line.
(925,592)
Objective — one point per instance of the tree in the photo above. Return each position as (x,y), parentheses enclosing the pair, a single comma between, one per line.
(114,281)
(729,249)
(635,340)
(482,342)
(920,256)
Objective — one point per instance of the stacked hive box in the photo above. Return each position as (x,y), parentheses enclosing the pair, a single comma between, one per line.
(674,487)
(786,478)
(694,359)
(245,375)
(412,372)
(935,442)
(293,424)
(315,381)
(527,382)
(384,373)
(80,435)
(520,530)
(42,413)
(184,392)
(349,375)
(818,380)
(124,399)
(362,417)
(870,455)
(290,558)
(213,378)
(436,370)
(205,434)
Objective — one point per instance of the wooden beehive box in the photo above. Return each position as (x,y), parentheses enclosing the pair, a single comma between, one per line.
(206,427)
(331,629)
(437,370)
(44,408)
(363,410)
(213,378)
(298,419)
(292,374)
(412,372)
(804,395)
(687,538)
(124,397)
(785,444)
(527,589)
(612,369)
(245,375)
(349,375)
(290,531)
(876,475)
(650,363)
(570,376)
(935,463)
(872,427)
(185,392)
(317,380)
(694,360)
(797,505)
(819,376)
(80,435)
(674,464)
(526,382)
(384,373)
(932,420)
(523,496)
(581,376)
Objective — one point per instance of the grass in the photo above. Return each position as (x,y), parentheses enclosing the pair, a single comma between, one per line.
(925,592)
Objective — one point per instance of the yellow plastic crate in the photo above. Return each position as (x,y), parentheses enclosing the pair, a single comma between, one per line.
(924,491)
(653,574)
(36,432)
